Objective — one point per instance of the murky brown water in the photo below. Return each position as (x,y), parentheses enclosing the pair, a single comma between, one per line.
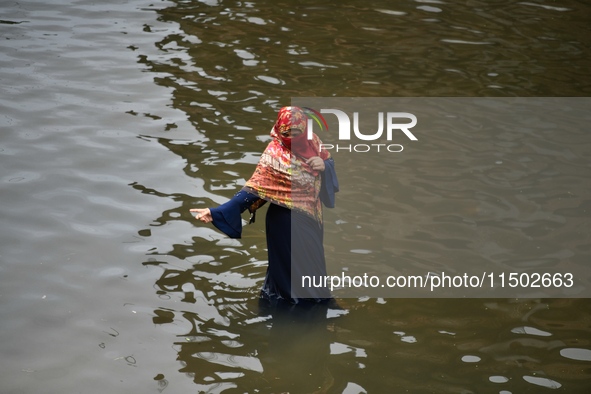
(116,118)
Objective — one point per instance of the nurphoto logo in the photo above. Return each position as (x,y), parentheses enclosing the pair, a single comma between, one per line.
(395,122)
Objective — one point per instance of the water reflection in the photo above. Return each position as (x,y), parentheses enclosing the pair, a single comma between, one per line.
(255,53)
(227,341)
(113,111)
(235,340)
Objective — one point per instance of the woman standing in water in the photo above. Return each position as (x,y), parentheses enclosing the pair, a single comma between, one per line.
(296,176)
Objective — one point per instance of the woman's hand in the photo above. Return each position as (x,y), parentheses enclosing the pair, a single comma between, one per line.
(203,214)
(316,163)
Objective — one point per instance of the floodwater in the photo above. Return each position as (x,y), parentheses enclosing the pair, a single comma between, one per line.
(117,117)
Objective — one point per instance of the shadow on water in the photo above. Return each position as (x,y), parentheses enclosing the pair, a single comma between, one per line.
(230,66)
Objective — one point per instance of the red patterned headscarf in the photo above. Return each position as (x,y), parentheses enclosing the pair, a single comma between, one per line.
(282,175)
(294,118)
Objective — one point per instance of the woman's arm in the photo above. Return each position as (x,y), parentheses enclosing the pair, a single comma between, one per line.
(227,217)
(330,184)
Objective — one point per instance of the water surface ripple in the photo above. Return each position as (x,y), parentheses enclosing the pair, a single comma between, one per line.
(117,118)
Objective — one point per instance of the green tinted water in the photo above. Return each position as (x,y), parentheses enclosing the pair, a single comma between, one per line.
(116,119)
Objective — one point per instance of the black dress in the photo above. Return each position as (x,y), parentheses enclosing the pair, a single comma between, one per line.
(297,266)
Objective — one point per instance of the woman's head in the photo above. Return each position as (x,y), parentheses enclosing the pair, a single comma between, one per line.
(291,122)
(291,129)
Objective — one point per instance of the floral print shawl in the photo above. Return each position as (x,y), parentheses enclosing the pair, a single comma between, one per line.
(282,176)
